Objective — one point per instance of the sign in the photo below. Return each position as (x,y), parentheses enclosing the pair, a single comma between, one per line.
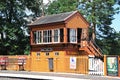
(72,62)
(112,66)
(21,60)
(46,50)
(3,60)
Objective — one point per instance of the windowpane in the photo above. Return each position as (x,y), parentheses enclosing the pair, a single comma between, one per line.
(38,53)
(44,36)
(47,53)
(73,35)
(47,36)
(34,37)
(37,37)
(56,35)
(56,53)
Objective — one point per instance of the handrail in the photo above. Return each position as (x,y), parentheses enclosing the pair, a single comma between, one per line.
(93,44)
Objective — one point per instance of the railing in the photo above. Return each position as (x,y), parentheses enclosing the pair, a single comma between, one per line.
(96,66)
(96,47)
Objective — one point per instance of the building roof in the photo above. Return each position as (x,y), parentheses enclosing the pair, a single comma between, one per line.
(53,18)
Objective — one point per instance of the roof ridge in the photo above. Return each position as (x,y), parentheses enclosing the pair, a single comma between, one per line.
(58,14)
(70,15)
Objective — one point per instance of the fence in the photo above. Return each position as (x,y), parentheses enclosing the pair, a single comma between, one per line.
(72,64)
(13,62)
(96,66)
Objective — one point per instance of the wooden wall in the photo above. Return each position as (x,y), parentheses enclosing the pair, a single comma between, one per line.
(61,63)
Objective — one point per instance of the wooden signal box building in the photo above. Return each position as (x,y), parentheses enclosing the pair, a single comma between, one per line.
(60,43)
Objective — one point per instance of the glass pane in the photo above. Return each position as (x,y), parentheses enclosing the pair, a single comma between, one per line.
(45,36)
(39,37)
(73,35)
(34,37)
(49,36)
(56,35)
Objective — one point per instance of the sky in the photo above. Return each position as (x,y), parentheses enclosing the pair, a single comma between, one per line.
(115,23)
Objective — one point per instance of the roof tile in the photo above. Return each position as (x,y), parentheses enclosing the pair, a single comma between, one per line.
(52,18)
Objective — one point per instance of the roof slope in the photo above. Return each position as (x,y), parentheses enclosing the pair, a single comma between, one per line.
(53,18)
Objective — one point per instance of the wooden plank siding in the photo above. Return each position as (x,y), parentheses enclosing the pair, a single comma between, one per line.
(76,21)
(61,62)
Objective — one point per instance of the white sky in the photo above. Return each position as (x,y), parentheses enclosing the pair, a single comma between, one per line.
(45,1)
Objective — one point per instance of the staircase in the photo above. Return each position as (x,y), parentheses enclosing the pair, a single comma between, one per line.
(91,48)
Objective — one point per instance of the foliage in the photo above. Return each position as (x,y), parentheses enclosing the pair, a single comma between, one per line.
(100,15)
(13,38)
(59,6)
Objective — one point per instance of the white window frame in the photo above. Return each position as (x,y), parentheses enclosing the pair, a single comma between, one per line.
(58,35)
(73,35)
(47,36)
(38,37)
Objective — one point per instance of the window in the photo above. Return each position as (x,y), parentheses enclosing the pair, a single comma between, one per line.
(38,37)
(47,36)
(73,35)
(38,53)
(47,53)
(56,35)
(79,32)
(56,53)
(61,35)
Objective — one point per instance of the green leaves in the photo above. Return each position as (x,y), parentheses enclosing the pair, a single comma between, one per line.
(59,6)
(12,13)
(99,13)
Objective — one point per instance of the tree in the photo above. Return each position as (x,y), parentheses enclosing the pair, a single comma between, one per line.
(13,39)
(99,14)
(59,6)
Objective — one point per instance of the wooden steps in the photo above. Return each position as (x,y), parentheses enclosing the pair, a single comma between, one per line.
(92,49)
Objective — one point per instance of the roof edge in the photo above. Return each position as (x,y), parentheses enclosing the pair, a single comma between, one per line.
(70,15)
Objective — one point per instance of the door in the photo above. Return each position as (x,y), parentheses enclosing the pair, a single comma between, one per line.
(50,63)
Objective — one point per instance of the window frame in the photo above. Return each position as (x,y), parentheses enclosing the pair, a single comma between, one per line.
(56,53)
(58,35)
(72,35)
(47,53)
